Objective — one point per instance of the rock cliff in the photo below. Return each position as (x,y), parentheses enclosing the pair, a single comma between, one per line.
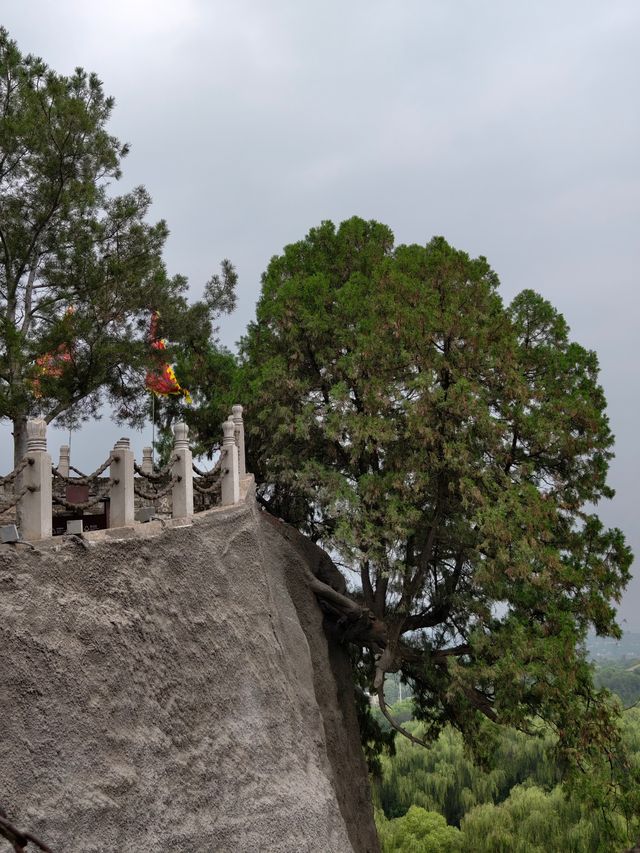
(174,690)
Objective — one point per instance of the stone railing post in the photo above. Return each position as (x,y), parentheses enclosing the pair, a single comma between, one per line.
(121,511)
(230,477)
(147,460)
(182,492)
(35,507)
(65,460)
(236,417)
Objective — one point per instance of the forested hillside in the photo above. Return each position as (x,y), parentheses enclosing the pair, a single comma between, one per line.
(439,800)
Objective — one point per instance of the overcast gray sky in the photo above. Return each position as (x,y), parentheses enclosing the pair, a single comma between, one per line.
(512,128)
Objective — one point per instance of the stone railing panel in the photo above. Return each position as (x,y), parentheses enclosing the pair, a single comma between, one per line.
(29,485)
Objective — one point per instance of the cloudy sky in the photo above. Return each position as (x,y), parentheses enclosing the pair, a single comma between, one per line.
(512,128)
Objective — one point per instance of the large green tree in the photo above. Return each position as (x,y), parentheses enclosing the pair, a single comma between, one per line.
(81,269)
(448,450)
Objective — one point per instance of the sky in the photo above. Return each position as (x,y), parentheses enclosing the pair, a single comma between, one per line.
(510,128)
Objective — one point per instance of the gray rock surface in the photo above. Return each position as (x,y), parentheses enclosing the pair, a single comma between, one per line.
(177,693)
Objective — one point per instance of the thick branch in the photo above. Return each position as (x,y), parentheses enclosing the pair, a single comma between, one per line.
(436,615)
(512,453)
(380,595)
(393,723)
(356,623)
(453,651)
(367,589)
(414,584)
(327,592)
(26,320)
(480,701)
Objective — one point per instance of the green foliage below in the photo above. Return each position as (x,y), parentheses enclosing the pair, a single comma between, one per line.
(531,820)
(418,831)
(516,805)
(621,680)
(444,777)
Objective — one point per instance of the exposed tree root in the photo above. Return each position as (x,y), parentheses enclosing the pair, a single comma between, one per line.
(19,839)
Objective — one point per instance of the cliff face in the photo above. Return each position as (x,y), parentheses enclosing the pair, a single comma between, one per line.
(177,692)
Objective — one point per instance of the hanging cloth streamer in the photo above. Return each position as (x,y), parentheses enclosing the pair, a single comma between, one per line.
(162,380)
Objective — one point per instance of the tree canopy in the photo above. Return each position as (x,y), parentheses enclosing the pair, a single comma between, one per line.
(448,450)
(81,269)
(518,805)
(418,831)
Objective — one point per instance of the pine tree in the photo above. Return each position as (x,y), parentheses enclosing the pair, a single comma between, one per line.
(448,449)
(81,269)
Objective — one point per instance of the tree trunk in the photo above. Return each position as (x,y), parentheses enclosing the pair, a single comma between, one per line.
(19,452)
(19,440)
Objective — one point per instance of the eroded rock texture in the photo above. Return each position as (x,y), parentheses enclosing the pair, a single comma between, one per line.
(177,693)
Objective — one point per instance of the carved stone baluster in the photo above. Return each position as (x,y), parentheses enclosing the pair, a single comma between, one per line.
(182,492)
(121,512)
(230,476)
(35,507)
(236,417)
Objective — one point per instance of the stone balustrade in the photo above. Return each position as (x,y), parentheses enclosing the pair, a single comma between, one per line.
(35,496)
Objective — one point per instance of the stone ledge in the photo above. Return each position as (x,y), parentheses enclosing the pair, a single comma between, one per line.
(147,529)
